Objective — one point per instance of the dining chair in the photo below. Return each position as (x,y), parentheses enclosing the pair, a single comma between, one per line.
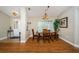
(34,35)
(54,36)
(46,35)
(40,36)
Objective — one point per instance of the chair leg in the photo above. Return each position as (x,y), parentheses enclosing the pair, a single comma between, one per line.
(56,37)
(44,39)
(33,38)
(51,38)
(48,40)
(38,39)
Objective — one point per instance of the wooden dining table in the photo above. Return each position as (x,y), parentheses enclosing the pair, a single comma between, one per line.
(51,35)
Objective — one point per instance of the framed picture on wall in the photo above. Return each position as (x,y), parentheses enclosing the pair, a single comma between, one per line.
(64,22)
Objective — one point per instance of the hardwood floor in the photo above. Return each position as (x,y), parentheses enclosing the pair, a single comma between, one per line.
(57,46)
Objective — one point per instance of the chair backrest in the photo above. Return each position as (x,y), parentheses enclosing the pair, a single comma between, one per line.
(33,32)
(46,32)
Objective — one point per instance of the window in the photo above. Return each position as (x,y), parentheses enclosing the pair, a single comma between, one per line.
(45,25)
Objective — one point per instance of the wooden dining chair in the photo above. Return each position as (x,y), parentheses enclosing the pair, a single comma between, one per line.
(40,36)
(34,35)
(54,36)
(46,35)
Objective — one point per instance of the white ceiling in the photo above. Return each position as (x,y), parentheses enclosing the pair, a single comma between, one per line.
(8,9)
(35,11)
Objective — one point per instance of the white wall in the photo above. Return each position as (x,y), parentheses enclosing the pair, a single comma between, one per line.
(68,33)
(4,24)
(77,26)
(71,34)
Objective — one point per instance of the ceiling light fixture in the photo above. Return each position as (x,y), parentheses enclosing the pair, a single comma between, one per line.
(14,13)
(45,15)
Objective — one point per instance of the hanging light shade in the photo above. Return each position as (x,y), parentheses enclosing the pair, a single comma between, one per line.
(14,14)
(45,16)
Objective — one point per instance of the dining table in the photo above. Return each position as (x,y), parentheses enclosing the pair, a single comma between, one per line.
(50,34)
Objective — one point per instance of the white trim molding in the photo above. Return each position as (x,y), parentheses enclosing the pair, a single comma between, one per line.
(3,38)
(23,41)
(73,44)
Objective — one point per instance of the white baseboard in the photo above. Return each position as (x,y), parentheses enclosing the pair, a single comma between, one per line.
(30,36)
(77,46)
(73,44)
(3,38)
(23,41)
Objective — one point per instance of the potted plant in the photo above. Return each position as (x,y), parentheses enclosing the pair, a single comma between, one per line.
(56,25)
